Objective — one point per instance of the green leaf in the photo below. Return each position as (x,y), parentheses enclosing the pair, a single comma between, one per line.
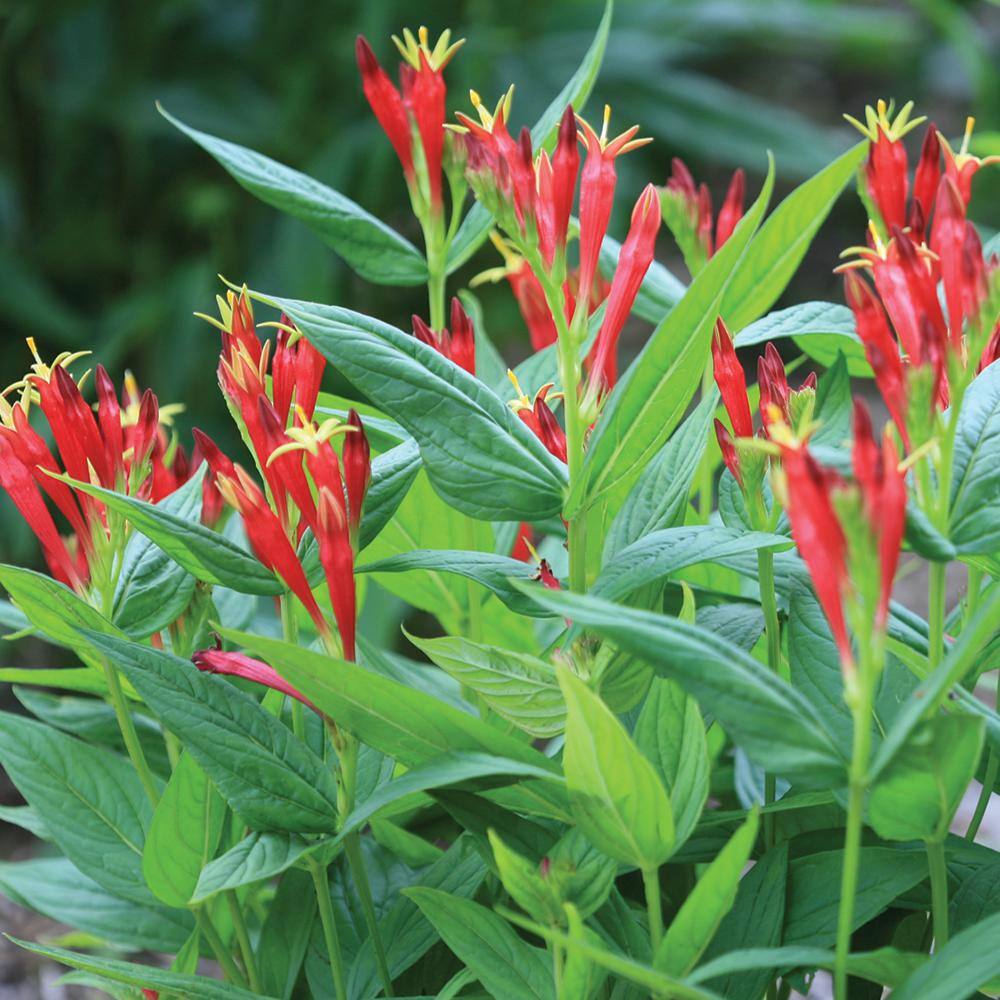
(27,819)
(517,686)
(660,497)
(524,881)
(755,921)
(776,251)
(967,963)
(55,610)
(256,857)
(184,834)
(711,899)
(492,571)
(652,396)
(774,723)
(974,524)
(480,457)
(477,224)
(977,897)
(490,365)
(150,977)
(407,934)
(670,732)
(811,911)
(660,553)
(57,889)
(153,589)
(509,968)
(81,679)
(207,555)
(367,244)
(615,792)
(273,780)
(401,722)
(90,800)
(917,794)
(284,936)
(821,329)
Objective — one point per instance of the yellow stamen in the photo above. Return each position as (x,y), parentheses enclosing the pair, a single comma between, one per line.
(879,119)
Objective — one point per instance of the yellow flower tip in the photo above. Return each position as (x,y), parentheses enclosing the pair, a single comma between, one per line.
(532,550)
(522,400)
(880,119)
(411,47)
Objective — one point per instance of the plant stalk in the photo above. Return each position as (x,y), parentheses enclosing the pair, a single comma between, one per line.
(352,848)
(772,628)
(651,887)
(129,735)
(989,779)
(243,938)
(219,950)
(936,586)
(329,923)
(939,891)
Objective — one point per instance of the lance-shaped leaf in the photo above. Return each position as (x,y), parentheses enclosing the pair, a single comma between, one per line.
(616,795)
(652,396)
(89,799)
(820,329)
(711,899)
(660,290)
(776,725)
(777,249)
(492,571)
(144,976)
(367,244)
(205,554)
(267,775)
(479,455)
(519,687)
(476,225)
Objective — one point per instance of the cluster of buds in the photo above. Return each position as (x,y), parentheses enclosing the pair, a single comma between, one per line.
(848,533)
(780,407)
(273,403)
(689,214)
(122,447)
(918,349)
(413,119)
(457,343)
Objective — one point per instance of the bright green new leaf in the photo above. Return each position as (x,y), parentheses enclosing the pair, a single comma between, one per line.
(616,795)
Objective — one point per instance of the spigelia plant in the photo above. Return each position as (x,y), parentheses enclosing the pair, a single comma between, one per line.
(660,728)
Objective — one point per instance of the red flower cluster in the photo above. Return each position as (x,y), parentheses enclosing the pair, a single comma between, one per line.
(121,447)
(539,417)
(300,468)
(414,119)
(901,322)
(776,398)
(688,212)
(458,343)
(848,534)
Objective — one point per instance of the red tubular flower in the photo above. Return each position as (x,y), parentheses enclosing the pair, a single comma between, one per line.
(774,392)
(424,97)
(458,344)
(633,263)
(523,549)
(688,211)
(539,417)
(565,166)
(283,467)
(109,418)
(962,166)
(387,104)
(217,661)
(546,577)
(880,347)
(728,448)
(534,309)
(337,557)
(732,208)
(819,537)
(296,372)
(597,192)
(731,381)
(357,469)
(925,181)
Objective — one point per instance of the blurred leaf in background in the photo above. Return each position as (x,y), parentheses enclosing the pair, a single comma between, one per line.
(115,226)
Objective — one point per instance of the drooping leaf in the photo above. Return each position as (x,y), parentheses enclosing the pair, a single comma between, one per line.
(651,397)
(367,244)
(267,775)
(480,457)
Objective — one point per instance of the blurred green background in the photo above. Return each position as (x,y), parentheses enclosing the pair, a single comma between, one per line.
(115,226)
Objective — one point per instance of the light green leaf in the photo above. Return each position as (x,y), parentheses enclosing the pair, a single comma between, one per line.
(711,899)
(367,244)
(615,793)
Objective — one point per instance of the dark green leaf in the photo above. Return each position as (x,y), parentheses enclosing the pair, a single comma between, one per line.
(367,244)
(284,937)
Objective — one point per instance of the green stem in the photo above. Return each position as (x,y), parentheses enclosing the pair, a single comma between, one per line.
(475,620)
(243,938)
(989,782)
(437,271)
(852,835)
(352,848)
(129,735)
(936,585)
(219,950)
(772,628)
(329,922)
(651,886)
(939,891)
(557,967)
(973,588)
